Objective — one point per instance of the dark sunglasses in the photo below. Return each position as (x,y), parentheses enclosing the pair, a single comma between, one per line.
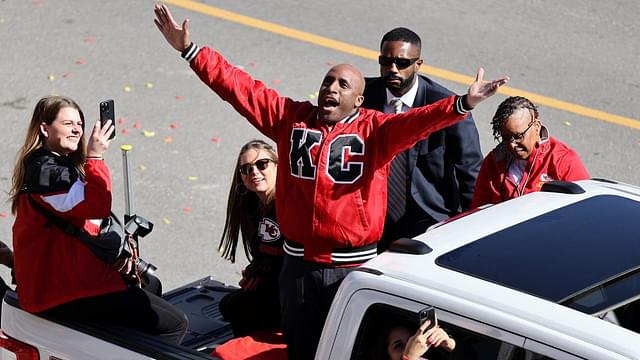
(401,63)
(259,164)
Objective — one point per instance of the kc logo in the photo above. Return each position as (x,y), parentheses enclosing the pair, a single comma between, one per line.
(268,230)
(339,168)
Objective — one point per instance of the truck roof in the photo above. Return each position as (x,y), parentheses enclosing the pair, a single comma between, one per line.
(522,257)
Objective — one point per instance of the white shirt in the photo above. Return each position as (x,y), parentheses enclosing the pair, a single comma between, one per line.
(407,99)
(516,170)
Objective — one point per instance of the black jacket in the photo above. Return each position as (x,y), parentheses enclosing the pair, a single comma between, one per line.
(443,167)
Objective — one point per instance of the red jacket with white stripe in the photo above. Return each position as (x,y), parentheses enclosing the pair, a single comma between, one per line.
(52,267)
(550,160)
(331,183)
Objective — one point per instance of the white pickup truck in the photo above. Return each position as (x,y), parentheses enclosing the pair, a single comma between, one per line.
(550,275)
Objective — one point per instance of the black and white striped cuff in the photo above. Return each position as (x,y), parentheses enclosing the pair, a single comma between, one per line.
(340,256)
(190,52)
(459,105)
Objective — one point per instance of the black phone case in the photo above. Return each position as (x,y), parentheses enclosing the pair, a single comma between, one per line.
(108,112)
(428,313)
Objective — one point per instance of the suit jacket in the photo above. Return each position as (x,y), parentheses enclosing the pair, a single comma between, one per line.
(443,168)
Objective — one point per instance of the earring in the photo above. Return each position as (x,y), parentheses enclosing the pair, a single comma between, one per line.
(241,189)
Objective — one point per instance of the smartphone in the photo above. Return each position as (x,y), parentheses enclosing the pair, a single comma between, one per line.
(428,313)
(108,112)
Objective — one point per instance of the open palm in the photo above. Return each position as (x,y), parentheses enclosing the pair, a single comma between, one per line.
(176,35)
(481,89)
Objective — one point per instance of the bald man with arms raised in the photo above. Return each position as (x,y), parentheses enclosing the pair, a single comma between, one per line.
(332,176)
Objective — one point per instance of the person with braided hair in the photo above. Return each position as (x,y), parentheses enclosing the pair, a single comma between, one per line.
(526,156)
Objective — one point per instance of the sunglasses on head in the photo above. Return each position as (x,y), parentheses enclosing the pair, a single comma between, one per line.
(401,63)
(259,164)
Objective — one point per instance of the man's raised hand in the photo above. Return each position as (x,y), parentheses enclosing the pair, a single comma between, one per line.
(480,90)
(176,36)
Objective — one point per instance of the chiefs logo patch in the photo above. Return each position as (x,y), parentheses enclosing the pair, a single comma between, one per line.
(546,178)
(268,230)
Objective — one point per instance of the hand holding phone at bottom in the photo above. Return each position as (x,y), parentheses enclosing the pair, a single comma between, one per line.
(422,340)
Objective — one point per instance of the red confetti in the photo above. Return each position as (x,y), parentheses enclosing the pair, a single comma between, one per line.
(215,139)
(275,81)
(80,61)
(179,98)
(121,120)
(187,209)
(3,215)
(173,125)
(252,64)
(37,2)
(125,131)
(136,125)
(66,74)
(88,39)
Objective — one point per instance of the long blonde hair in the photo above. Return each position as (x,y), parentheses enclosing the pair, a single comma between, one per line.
(46,111)
(244,207)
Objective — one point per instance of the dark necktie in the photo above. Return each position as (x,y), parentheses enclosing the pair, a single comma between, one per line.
(397,180)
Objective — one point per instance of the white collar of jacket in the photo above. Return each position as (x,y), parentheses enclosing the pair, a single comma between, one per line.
(544,134)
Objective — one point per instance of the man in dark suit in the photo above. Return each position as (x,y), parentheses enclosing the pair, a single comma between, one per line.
(435,179)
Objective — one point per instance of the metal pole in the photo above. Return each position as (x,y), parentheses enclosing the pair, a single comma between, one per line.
(128,192)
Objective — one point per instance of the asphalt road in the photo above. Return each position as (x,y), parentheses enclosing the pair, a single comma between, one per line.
(185,140)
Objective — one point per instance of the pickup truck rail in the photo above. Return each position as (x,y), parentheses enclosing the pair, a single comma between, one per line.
(199,300)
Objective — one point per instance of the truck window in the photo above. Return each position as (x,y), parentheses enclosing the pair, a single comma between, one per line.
(372,340)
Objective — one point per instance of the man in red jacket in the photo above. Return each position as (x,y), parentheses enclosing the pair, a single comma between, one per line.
(332,175)
(526,158)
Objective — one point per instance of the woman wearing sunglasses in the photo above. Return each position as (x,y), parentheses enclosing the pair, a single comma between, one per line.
(526,156)
(251,213)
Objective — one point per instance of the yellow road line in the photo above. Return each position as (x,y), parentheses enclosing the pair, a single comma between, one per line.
(370,54)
